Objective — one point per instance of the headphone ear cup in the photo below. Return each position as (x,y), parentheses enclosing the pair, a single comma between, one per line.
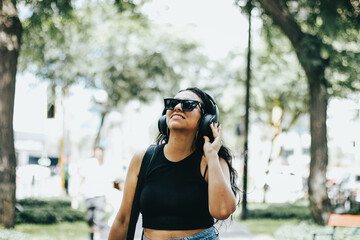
(204,126)
(162,125)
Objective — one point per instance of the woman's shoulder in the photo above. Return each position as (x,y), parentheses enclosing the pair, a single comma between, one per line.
(140,154)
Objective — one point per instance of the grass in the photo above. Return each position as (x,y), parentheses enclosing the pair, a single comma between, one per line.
(59,231)
(266,226)
(266,219)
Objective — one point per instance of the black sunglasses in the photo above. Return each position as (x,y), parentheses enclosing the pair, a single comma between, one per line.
(186,104)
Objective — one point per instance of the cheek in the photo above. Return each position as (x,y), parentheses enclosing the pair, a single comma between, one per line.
(196,119)
(167,114)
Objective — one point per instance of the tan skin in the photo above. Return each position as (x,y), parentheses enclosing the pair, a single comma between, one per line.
(183,127)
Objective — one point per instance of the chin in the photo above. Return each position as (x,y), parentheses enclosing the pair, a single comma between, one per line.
(176,127)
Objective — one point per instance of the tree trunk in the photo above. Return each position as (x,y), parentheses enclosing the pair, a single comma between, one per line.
(319,201)
(10,33)
(308,52)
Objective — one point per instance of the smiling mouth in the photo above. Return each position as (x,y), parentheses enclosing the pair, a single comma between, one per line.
(178,116)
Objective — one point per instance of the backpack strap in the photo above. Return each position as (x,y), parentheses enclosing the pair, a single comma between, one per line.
(204,176)
(135,209)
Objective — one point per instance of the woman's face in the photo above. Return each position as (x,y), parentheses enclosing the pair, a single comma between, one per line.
(178,119)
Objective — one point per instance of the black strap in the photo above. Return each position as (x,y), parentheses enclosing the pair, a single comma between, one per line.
(206,168)
(135,209)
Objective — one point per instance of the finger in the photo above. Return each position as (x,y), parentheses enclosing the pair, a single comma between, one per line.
(207,139)
(214,130)
(216,126)
(217,134)
(217,139)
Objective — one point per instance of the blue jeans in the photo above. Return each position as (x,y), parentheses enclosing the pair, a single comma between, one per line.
(207,234)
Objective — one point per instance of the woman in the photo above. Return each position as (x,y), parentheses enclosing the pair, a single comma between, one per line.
(190,180)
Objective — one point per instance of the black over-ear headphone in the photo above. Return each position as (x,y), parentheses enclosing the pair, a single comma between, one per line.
(204,126)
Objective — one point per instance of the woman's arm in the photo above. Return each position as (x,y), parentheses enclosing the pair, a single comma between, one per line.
(119,228)
(222,201)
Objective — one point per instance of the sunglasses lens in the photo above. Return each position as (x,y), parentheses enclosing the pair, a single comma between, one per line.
(170,104)
(188,105)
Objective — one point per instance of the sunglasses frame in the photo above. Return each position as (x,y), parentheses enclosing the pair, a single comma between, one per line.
(182,104)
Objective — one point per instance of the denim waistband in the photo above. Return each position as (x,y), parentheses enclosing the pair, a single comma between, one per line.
(207,234)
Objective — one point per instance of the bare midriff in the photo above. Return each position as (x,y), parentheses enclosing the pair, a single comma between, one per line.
(167,234)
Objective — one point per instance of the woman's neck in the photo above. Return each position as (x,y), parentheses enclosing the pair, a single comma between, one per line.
(179,146)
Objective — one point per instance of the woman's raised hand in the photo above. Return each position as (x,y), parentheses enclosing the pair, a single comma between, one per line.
(211,148)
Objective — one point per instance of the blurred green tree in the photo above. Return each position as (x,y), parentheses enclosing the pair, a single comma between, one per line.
(96,43)
(101,47)
(134,59)
(11,28)
(324,35)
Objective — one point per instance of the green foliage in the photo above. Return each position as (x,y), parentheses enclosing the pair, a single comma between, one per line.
(343,67)
(317,30)
(37,215)
(131,59)
(103,46)
(35,202)
(277,78)
(41,211)
(130,6)
(48,45)
(279,211)
(354,211)
(47,8)
(331,29)
(325,17)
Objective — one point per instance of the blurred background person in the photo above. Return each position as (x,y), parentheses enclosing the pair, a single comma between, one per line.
(95,185)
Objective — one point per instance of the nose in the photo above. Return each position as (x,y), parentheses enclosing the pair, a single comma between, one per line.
(178,107)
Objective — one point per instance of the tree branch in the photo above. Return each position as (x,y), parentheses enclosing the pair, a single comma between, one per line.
(284,20)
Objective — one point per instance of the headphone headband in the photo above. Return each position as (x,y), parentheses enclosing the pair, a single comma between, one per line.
(212,100)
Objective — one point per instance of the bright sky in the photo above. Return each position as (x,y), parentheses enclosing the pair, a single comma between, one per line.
(217,24)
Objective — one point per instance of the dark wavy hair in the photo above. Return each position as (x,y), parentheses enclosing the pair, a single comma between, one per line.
(224,152)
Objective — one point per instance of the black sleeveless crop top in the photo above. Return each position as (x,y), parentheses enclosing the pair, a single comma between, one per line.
(175,194)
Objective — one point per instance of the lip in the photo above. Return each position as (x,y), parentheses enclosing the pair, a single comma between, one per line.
(177,114)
